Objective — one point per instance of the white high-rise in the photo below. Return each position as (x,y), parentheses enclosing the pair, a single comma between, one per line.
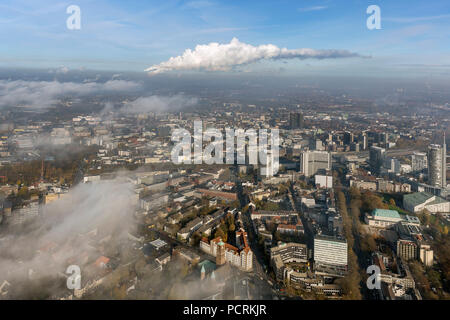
(419,161)
(312,161)
(330,251)
(437,165)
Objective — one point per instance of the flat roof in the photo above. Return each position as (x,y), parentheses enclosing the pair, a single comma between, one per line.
(158,243)
(417,198)
(385,213)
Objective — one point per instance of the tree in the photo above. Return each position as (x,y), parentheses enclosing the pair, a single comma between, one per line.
(350,284)
(219,233)
(230,220)
(368,243)
(354,192)
(371,201)
(421,280)
(277,236)
(196,237)
(392,202)
(23,193)
(140,267)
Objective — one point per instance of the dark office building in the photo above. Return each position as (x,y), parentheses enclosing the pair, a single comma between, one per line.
(348,138)
(296,120)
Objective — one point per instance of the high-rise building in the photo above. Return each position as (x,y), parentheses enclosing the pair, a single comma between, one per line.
(272,165)
(296,120)
(348,138)
(384,139)
(426,255)
(437,165)
(419,161)
(392,165)
(376,158)
(313,161)
(407,249)
(365,141)
(330,254)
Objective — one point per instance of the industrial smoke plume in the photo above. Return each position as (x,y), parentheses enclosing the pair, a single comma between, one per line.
(222,57)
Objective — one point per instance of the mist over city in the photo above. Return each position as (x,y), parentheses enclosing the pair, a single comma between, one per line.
(102,198)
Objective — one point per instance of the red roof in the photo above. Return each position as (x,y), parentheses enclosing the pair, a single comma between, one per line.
(101,261)
(286,226)
(230,247)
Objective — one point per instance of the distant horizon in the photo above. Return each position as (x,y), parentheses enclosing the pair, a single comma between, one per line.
(420,76)
(264,37)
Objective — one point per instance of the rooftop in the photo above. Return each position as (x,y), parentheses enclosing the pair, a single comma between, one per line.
(385,213)
(158,243)
(417,197)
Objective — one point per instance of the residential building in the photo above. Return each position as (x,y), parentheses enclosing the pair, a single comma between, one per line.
(407,249)
(224,252)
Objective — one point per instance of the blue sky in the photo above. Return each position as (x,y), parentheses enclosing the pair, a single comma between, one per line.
(135,34)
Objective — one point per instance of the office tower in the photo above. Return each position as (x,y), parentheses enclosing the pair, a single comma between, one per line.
(444,162)
(365,141)
(437,165)
(419,161)
(384,139)
(316,144)
(392,165)
(296,120)
(376,158)
(330,253)
(348,138)
(355,147)
(312,161)
(272,165)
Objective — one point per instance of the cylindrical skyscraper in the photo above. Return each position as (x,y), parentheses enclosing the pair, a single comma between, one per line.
(437,165)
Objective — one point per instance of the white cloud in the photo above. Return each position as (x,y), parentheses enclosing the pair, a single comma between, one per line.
(416,19)
(44,94)
(158,104)
(315,8)
(222,57)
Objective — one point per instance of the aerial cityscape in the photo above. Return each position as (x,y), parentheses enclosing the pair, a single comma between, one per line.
(215,150)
